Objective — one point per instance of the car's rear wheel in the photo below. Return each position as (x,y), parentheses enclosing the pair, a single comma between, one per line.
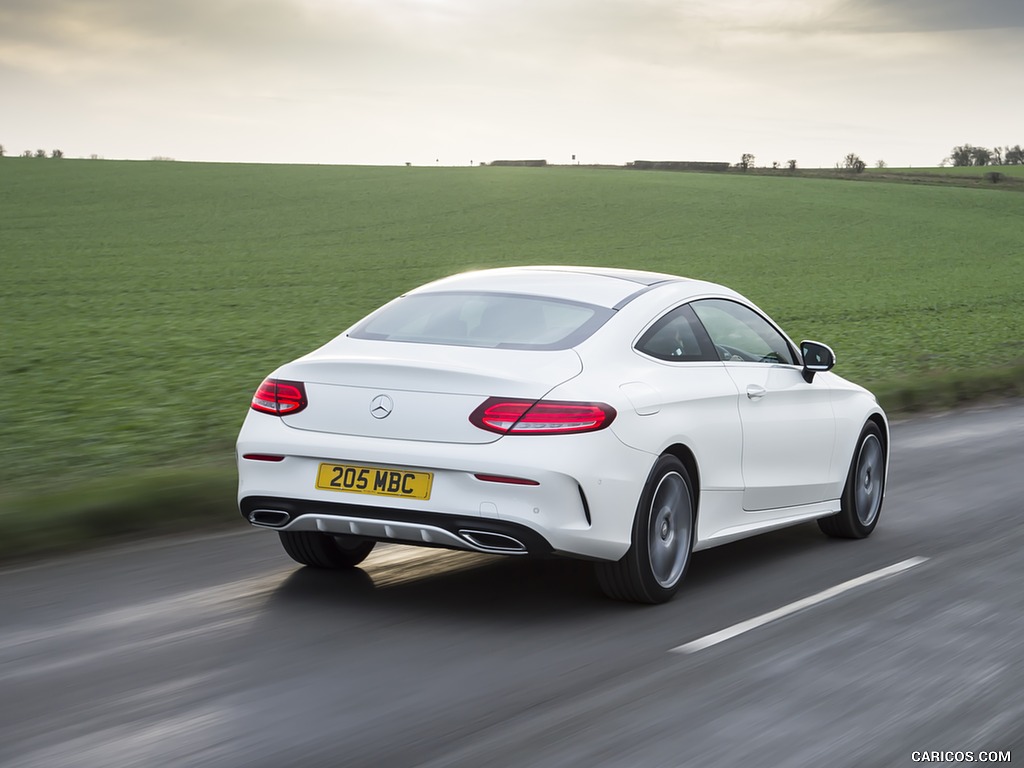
(659,555)
(861,503)
(321,550)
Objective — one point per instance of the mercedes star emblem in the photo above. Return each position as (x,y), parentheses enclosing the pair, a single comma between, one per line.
(381,407)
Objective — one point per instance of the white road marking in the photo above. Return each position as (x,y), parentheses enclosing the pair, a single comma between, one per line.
(766,618)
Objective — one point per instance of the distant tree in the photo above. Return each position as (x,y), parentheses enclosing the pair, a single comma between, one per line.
(981,156)
(791,164)
(775,165)
(961,156)
(881,164)
(746,161)
(27,153)
(853,163)
(997,156)
(1,150)
(1014,155)
(40,153)
(968,154)
(57,154)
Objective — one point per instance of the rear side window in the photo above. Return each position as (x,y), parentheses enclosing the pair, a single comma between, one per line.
(678,337)
(502,320)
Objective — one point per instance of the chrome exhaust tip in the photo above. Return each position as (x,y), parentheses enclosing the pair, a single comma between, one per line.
(271,518)
(493,542)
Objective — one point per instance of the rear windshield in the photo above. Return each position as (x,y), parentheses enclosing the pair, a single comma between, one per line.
(504,320)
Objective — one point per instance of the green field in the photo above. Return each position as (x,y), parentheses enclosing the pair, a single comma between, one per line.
(142,302)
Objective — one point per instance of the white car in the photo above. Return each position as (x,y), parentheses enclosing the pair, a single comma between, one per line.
(619,416)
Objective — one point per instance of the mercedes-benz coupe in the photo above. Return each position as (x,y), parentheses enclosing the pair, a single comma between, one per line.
(624,417)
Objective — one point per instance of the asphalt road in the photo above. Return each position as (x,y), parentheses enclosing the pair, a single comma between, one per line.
(218,651)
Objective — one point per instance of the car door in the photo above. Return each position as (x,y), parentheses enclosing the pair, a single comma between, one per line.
(683,394)
(788,424)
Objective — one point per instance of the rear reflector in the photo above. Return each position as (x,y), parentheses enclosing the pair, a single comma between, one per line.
(279,398)
(543,417)
(262,457)
(504,479)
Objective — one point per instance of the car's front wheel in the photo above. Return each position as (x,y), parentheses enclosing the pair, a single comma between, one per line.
(865,486)
(321,550)
(659,555)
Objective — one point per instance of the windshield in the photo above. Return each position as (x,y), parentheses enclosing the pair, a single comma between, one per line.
(467,319)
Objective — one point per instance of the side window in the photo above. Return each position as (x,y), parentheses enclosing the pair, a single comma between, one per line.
(742,335)
(678,337)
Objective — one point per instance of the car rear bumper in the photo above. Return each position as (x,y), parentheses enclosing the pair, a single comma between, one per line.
(582,504)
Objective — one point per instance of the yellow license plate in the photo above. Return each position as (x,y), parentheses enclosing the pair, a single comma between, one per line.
(375,481)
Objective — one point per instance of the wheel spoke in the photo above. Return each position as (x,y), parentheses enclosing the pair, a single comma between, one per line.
(670,493)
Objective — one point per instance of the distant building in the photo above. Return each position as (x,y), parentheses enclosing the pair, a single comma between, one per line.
(520,163)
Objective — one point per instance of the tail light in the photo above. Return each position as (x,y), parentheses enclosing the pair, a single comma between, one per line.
(279,398)
(543,417)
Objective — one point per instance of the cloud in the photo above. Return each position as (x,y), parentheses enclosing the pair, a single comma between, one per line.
(370,80)
(446,41)
(68,37)
(904,16)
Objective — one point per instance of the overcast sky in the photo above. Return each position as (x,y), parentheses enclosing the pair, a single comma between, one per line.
(460,81)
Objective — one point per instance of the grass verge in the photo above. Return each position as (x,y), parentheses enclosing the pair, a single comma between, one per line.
(126,507)
(943,390)
(155,503)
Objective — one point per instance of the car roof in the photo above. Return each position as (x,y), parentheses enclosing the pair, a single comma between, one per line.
(604,286)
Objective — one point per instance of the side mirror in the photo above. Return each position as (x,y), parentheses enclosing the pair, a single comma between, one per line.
(817,358)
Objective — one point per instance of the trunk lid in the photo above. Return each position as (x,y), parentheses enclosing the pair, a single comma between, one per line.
(423,392)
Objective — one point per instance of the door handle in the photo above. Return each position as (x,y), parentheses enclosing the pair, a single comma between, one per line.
(755,392)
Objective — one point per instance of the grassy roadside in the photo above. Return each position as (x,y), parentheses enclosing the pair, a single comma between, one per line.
(125,507)
(186,500)
(946,390)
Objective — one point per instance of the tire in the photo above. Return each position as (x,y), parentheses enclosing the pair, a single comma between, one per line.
(861,503)
(321,550)
(662,541)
